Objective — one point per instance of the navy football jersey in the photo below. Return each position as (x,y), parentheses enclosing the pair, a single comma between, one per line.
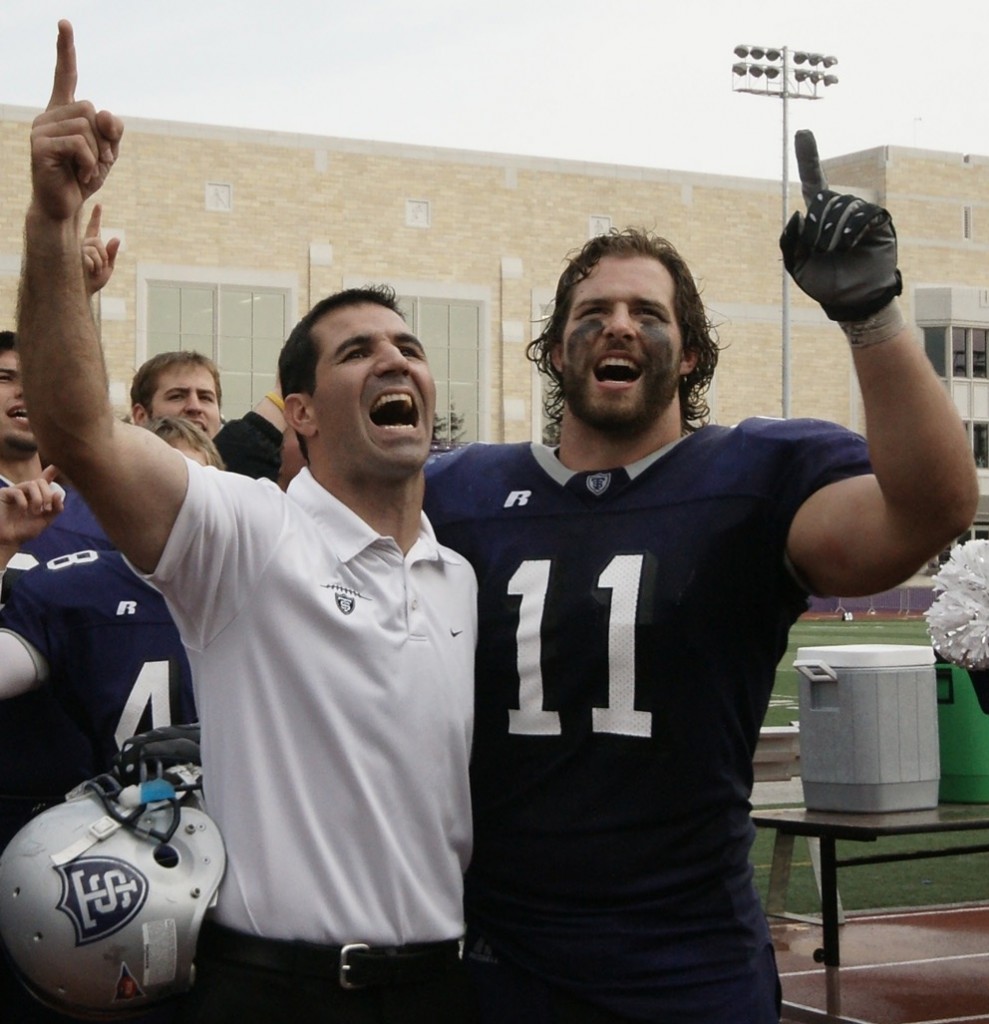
(116,662)
(43,753)
(631,621)
(74,529)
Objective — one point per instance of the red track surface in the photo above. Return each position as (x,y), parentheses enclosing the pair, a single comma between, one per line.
(896,968)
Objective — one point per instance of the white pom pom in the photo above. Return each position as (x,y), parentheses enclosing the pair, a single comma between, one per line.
(958,621)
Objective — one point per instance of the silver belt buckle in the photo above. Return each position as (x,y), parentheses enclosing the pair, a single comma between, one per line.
(351,947)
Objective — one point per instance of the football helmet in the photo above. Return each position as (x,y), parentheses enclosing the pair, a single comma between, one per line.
(102,897)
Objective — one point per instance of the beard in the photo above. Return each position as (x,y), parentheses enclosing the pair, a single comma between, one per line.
(630,414)
(19,445)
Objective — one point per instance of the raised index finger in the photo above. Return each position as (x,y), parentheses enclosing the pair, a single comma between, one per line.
(66,74)
(809,164)
(93,227)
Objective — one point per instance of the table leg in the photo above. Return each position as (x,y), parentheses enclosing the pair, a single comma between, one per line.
(829,924)
(779,873)
(829,901)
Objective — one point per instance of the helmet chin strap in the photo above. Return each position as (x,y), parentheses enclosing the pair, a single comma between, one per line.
(127,807)
(100,829)
(156,794)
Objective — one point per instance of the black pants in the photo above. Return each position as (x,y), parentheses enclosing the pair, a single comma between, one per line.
(508,994)
(226,992)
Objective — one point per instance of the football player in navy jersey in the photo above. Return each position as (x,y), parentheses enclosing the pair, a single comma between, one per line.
(637,584)
(84,626)
(76,526)
(43,753)
(89,656)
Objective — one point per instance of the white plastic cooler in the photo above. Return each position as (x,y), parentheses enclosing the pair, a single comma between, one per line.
(868,727)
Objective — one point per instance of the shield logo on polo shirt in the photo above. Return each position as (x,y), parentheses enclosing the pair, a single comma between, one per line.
(598,483)
(100,895)
(345,602)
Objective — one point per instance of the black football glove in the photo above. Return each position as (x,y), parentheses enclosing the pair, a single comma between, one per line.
(151,754)
(843,252)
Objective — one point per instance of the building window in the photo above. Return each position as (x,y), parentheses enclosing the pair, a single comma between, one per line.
(934,339)
(241,328)
(978,337)
(959,352)
(969,351)
(967,222)
(980,444)
(451,332)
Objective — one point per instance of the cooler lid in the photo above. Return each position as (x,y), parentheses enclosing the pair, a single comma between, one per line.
(868,655)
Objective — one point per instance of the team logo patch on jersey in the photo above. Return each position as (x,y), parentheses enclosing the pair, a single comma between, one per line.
(598,483)
(100,895)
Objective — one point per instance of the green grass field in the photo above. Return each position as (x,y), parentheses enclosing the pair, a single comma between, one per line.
(864,629)
(907,884)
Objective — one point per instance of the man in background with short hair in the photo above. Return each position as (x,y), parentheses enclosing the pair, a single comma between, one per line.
(185,384)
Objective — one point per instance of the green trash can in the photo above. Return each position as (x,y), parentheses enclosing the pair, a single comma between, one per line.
(963,731)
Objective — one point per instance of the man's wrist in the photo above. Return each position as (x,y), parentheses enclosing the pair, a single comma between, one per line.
(52,234)
(874,330)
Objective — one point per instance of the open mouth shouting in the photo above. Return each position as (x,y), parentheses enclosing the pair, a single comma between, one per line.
(617,370)
(393,410)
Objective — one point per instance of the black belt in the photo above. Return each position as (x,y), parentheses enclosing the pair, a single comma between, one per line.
(355,965)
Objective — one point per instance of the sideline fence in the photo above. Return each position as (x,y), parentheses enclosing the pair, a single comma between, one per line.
(902,601)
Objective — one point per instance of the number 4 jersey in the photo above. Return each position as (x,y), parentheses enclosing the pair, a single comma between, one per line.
(631,621)
(117,665)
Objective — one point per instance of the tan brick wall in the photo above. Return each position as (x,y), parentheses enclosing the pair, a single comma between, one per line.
(291,191)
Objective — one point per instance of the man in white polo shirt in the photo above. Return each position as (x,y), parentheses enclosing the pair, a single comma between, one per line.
(331,638)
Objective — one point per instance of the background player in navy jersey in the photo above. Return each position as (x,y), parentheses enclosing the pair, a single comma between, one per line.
(636,589)
(75,527)
(43,753)
(85,627)
(98,637)
(89,656)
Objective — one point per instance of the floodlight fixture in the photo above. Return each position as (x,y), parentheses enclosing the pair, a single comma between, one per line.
(769,71)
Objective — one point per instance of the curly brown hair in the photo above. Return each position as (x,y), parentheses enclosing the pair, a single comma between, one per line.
(698,333)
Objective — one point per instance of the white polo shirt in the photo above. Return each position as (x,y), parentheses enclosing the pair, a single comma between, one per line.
(334,682)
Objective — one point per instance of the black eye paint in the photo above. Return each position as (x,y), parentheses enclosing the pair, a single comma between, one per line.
(655,333)
(586,329)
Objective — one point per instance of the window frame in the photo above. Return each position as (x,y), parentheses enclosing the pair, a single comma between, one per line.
(215,279)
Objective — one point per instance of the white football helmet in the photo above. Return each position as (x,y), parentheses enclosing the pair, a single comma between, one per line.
(102,897)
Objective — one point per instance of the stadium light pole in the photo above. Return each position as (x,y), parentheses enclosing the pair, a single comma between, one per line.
(786,74)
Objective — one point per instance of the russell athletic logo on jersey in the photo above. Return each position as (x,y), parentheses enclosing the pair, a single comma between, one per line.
(100,895)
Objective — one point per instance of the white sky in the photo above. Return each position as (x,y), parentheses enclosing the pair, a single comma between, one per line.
(637,82)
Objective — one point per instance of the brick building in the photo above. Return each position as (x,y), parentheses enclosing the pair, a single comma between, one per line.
(230,235)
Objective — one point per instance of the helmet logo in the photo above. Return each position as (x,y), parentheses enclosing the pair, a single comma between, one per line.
(100,895)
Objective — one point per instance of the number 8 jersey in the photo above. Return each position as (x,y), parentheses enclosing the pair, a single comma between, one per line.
(631,622)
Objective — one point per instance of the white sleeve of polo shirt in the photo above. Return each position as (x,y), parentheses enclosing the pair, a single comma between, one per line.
(222,539)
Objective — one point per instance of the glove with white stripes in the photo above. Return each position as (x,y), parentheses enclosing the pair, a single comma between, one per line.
(843,251)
